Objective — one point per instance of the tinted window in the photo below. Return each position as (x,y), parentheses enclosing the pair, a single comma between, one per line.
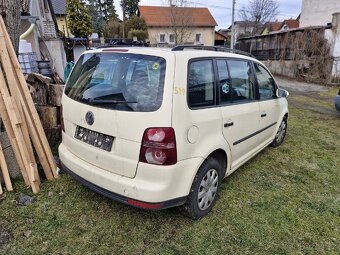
(224,81)
(242,86)
(266,83)
(201,83)
(135,79)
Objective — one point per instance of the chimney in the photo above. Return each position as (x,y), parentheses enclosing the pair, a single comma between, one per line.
(336,23)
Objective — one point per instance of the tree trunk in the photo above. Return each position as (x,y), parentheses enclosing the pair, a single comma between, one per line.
(10,11)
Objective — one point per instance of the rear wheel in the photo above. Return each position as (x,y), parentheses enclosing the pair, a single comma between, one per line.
(203,193)
(281,133)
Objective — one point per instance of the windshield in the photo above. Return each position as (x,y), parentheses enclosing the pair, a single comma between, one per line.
(128,82)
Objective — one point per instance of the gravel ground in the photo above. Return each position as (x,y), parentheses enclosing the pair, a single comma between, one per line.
(296,87)
(310,90)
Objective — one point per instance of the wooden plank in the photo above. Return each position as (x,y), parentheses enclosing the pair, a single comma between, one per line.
(12,79)
(9,129)
(34,182)
(8,102)
(4,169)
(36,131)
(15,105)
(15,90)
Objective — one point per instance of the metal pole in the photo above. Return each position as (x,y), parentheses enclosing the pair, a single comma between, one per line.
(232,26)
(123,21)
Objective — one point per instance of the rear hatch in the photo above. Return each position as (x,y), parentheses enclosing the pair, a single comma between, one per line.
(110,99)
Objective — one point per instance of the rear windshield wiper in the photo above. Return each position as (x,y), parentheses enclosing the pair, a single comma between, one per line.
(103,101)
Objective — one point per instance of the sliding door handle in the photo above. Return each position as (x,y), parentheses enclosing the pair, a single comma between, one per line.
(263,115)
(228,124)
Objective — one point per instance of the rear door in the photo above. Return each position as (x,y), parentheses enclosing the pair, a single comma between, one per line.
(269,103)
(240,109)
(111,98)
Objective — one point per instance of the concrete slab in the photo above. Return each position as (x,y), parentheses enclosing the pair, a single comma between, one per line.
(9,156)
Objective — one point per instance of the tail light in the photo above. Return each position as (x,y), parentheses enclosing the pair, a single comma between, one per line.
(158,147)
(62,118)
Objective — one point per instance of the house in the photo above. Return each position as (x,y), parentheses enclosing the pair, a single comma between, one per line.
(312,52)
(271,27)
(318,13)
(242,27)
(39,34)
(171,25)
(221,39)
(59,7)
(225,32)
(289,24)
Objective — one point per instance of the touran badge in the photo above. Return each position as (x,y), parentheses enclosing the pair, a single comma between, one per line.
(89,117)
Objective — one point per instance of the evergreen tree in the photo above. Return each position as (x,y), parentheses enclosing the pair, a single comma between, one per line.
(129,7)
(136,23)
(101,12)
(78,18)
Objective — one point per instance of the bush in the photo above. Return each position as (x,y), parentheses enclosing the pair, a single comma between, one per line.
(140,34)
(112,29)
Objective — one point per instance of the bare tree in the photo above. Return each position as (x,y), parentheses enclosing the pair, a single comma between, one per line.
(10,12)
(258,12)
(181,19)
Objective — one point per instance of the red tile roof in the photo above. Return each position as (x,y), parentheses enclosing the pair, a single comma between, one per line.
(162,16)
(291,23)
(275,26)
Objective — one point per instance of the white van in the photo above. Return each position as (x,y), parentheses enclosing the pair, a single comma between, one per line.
(156,128)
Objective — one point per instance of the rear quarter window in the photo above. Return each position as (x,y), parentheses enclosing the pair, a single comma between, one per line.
(201,91)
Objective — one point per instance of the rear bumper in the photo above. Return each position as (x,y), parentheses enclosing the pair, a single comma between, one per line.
(125,200)
(168,185)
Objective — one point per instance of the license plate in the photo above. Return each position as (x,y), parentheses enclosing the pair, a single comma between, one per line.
(94,138)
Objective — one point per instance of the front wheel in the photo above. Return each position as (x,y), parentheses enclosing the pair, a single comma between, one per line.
(281,133)
(203,193)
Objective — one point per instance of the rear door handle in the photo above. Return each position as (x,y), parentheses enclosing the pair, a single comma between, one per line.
(228,124)
(263,115)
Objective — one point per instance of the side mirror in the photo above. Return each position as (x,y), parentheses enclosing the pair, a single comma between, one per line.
(282,93)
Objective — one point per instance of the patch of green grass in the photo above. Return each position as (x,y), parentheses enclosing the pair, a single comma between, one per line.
(331,92)
(286,200)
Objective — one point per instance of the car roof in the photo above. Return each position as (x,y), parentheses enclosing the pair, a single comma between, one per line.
(187,53)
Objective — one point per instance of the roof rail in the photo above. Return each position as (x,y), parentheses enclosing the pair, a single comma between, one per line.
(211,48)
(118,46)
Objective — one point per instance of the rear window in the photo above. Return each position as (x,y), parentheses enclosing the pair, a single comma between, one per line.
(120,81)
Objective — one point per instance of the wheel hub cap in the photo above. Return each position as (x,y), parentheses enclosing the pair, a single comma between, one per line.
(281,132)
(207,189)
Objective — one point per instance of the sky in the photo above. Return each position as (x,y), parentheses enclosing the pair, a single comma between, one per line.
(221,9)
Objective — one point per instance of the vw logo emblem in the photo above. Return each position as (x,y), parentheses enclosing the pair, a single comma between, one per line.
(89,117)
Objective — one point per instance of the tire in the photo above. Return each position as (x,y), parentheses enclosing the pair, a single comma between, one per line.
(281,133)
(195,208)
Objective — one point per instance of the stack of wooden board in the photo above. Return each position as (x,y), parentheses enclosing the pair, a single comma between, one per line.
(21,120)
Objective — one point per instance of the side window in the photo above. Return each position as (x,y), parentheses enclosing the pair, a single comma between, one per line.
(267,89)
(224,81)
(201,83)
(242,86)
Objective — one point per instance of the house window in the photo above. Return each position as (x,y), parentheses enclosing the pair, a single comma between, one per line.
(172,38)
(198,38)
(162,38)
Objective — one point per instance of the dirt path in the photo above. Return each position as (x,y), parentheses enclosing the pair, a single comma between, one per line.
(310,90)
(299,88)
